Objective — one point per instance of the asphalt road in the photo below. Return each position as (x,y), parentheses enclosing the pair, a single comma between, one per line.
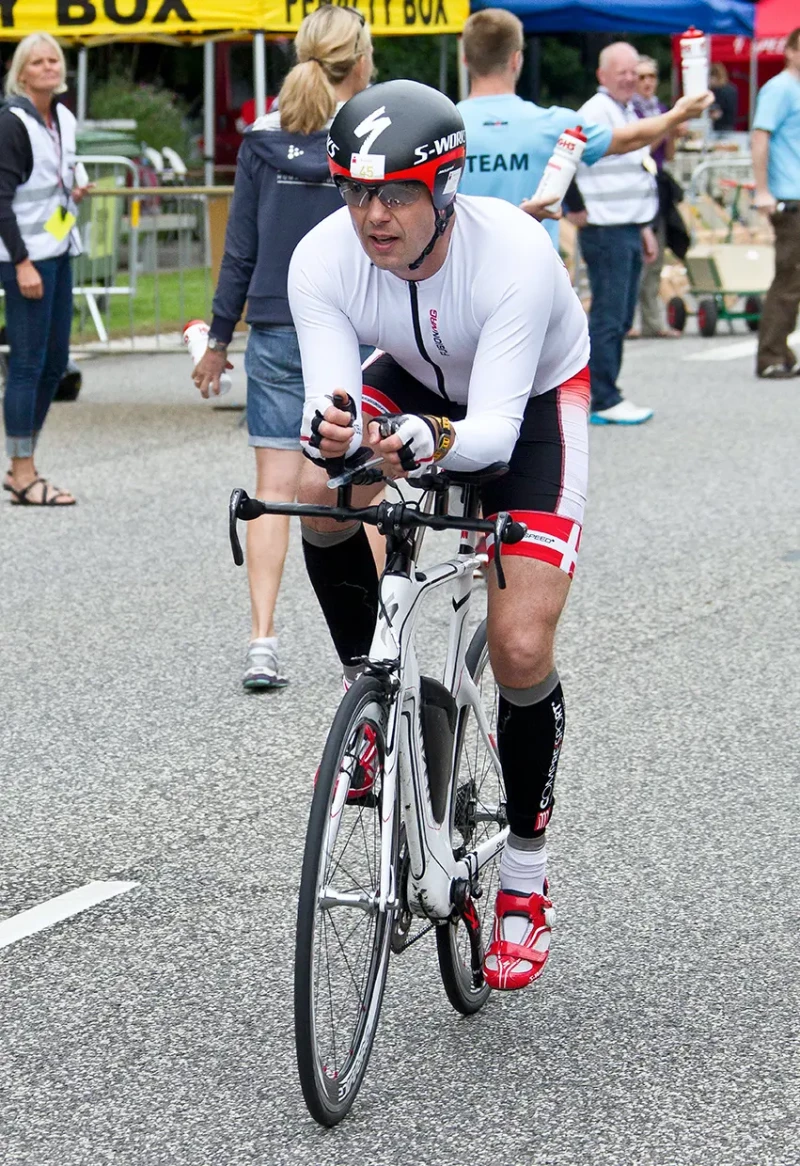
(156,1027)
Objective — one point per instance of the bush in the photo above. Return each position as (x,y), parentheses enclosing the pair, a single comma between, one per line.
(160,114)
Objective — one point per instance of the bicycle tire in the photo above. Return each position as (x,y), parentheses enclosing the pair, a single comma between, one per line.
(333,1051)
(477,785)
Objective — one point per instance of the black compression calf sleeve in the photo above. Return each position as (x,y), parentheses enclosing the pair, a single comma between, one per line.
(343,575)
(529,739)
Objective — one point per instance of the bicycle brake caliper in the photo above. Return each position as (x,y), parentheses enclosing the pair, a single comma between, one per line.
(465,908)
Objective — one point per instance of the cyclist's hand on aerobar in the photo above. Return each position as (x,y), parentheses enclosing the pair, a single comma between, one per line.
(405,442)
(329,431)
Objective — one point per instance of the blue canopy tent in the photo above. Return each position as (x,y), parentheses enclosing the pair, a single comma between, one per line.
(735,17)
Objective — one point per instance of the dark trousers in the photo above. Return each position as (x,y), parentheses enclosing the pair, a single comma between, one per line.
(779,314)
(613,256)
(38,335)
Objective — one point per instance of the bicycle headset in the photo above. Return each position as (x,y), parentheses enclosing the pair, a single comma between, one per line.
(402,131)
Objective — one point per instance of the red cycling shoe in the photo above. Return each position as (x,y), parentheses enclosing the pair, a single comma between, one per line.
(506,965)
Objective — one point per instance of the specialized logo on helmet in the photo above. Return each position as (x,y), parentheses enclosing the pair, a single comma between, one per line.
(364,164)
(372,127)
(440,146)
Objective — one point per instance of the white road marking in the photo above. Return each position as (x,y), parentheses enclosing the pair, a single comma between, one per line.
(55,910)
(732,351)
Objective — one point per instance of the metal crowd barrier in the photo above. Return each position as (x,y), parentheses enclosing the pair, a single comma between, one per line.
(148,258)
(720,197)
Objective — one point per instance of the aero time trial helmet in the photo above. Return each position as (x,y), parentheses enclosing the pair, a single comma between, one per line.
(400,131)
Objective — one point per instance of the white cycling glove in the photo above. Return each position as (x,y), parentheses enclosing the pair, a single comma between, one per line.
(314,412)
(417,435)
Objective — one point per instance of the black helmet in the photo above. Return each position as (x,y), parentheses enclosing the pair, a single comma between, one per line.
(400,131)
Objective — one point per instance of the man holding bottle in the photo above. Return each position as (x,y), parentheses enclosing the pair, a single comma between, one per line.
(509,141)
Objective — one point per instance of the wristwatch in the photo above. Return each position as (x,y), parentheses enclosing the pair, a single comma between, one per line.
(216,345)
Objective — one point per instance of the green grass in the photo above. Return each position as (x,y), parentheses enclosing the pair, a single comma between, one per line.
(161,304)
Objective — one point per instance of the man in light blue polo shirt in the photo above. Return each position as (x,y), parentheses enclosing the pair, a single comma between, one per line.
(775,145)
(509,141)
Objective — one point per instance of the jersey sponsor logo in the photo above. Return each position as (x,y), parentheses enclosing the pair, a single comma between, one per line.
(437,340)
(294,152)
(486,164)
(494,121)
(440,146)
(372,127)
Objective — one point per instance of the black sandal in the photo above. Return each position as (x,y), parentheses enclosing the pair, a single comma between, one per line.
(21,496)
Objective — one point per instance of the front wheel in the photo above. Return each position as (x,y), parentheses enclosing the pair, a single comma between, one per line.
(676,313)
(478,813)
(343,937)
(707,316)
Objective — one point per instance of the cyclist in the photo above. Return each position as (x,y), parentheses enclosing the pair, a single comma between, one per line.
(483,352)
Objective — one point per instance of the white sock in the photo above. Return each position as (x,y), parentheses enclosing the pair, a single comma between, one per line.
(522,871)
(266,642)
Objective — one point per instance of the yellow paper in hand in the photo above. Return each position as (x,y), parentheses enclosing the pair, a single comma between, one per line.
(59,224)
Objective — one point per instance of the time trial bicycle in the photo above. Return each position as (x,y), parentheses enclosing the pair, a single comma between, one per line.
(408,815)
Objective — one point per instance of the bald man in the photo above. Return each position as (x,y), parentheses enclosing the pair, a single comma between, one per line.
(616,235)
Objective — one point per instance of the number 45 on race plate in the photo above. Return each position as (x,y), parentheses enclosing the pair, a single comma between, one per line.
(368,166)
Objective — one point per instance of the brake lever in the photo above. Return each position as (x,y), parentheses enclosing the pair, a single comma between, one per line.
(242,506)
(237,497)
(506,530)
(500,524)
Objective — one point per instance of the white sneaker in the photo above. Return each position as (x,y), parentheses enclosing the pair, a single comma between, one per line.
(624,413)
(261,666)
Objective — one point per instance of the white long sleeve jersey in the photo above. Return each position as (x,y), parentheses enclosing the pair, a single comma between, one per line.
(498,323)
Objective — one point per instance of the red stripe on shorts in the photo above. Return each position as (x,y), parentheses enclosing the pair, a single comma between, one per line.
(551,538)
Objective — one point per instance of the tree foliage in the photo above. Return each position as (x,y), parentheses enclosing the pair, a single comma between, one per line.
(159,113)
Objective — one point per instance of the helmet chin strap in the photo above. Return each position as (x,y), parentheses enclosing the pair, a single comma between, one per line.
(442,219)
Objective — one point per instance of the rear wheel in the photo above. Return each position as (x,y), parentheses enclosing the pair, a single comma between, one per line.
(707,316)
(478,814)
(343,938)
(69,386)
(753,307)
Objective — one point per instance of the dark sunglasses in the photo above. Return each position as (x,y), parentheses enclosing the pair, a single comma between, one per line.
(391,194)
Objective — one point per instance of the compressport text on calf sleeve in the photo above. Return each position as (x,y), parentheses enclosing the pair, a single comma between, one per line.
(342,572)
(530,732)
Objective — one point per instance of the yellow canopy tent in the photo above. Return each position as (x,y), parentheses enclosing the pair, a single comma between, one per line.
(85,20)
(88,23)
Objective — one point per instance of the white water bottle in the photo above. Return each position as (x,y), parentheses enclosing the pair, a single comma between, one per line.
(560,170)
(195,337)
(694,62)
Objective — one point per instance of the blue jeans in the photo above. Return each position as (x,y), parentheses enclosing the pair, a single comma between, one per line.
(275,389)
(38,335)
(613,256)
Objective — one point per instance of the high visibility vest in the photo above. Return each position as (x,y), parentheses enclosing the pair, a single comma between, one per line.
(49,186)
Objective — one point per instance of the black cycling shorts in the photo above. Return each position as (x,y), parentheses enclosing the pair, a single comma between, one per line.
(546,484)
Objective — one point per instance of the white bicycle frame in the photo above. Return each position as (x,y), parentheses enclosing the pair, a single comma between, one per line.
(433,868)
